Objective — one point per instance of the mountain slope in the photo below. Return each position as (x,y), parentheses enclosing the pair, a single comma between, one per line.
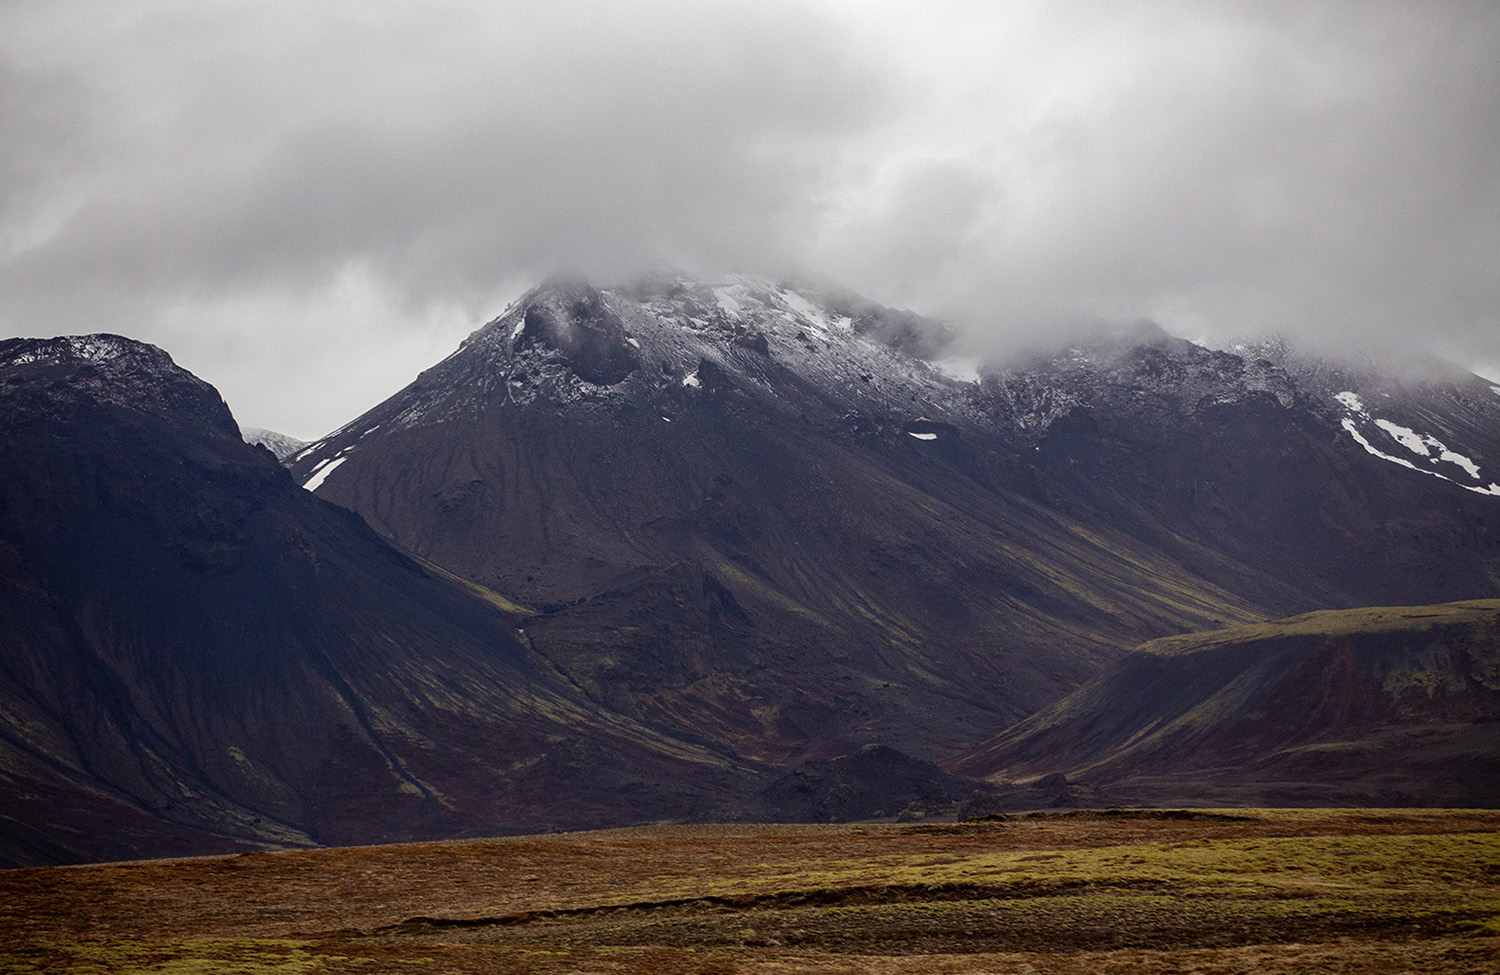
(196,654)
(279,444)
(1248,468)
(1394,706)
(752,516)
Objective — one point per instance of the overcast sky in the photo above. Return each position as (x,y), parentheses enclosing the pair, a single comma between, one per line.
(306,204)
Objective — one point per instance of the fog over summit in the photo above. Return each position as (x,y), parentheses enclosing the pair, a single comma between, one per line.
(307,207)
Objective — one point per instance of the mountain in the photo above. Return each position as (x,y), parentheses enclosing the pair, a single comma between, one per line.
(690,549)
(277,443)
(1379,707)
(745,514)
(788,518)
(1292,482)
(198,655)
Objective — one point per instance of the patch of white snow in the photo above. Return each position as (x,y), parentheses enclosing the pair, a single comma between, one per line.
(1406,437)
(305,451)
(316,481)
(1425,444)
(726,301)
(633,343)
(1371,448)
(691,379)
(813,315)
(1454,457)
(801,306)
(923,436)
(94,348)
(1351,401)
(1492,489)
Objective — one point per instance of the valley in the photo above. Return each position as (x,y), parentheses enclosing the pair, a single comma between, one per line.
(1241,890)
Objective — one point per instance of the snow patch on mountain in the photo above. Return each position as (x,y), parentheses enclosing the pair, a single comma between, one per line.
(279,444)
(1453,457)
(1406,437)
(322,472)
(88,348)
(811,314)
(1352,402)
(727,302)
(1423,445)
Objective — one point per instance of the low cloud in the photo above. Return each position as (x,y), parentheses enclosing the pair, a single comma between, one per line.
(307,205)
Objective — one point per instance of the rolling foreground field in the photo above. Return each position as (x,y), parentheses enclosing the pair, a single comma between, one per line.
(1117,891)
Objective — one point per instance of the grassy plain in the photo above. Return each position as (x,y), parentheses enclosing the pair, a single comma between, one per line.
(1132,892)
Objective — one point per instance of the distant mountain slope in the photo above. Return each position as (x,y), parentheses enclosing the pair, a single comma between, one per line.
(786,518)
(277,443)
(1393,706)
(196,654)
(1248,468)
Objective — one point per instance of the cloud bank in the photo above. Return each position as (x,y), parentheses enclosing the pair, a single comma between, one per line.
(307,205)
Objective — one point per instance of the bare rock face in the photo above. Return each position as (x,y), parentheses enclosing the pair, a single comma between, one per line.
(588,337)
(60,378)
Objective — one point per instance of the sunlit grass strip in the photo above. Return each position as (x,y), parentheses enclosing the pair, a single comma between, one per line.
(1450,864)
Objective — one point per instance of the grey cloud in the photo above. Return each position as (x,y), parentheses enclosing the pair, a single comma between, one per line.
(577,137)
(302,202)
(1321,176)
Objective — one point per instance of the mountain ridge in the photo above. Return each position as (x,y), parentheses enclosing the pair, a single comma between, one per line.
(1373,706)
(982,545)
(197,655)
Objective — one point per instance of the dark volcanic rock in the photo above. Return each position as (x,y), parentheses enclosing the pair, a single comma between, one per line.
(196,654)
(576,322)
